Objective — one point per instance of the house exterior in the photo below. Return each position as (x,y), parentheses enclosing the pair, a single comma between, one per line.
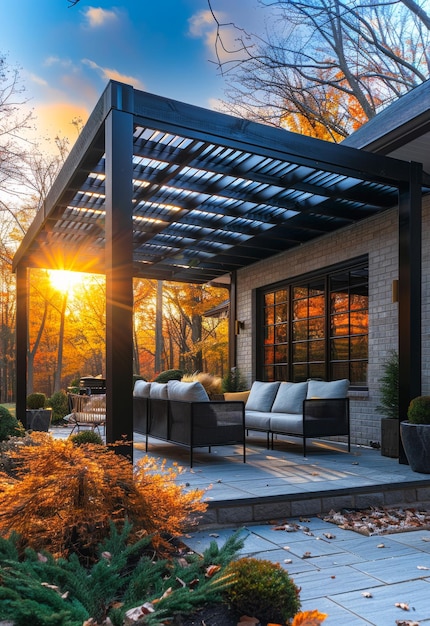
(364,258)
(311,236)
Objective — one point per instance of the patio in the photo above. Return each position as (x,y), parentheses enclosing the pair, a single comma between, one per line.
(281,483)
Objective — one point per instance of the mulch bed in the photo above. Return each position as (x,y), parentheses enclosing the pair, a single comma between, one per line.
(379,521)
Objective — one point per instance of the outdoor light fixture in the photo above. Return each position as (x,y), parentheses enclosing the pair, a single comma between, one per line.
(238,326)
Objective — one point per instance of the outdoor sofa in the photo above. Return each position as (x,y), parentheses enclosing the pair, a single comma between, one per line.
(182,413)
(307,409)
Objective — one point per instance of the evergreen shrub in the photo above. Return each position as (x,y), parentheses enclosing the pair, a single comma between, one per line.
(419,410)
(9,425)
(262,589)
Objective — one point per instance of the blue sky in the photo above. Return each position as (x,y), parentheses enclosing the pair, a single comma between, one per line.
(67,55)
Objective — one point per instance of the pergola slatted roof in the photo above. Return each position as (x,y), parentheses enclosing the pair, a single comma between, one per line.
(211,193)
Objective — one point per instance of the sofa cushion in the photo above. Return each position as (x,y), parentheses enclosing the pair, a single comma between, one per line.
(289,398)
(187,392)
(141,389)
(259,420)
(158,391)
(288,423)
(332,389)
(262,396)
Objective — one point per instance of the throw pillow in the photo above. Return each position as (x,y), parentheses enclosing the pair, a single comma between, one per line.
(158,391)
(261,396)
(186,392)
(332,389)
(141,389)
(289,398)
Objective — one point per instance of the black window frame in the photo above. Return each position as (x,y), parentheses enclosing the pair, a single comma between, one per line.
(327,368)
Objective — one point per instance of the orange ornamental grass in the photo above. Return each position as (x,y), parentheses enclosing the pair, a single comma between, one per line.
(64,497)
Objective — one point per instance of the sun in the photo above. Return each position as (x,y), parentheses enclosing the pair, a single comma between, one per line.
(65,281)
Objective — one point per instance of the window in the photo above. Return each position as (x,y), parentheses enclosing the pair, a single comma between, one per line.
(315,327)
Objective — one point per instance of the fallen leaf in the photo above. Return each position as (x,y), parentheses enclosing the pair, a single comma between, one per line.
(366,594)
(329,536)
(402,605)
(422,567)
(381,545)
(212,570)
(307,555)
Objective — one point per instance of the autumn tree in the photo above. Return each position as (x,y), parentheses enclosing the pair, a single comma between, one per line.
(328,64)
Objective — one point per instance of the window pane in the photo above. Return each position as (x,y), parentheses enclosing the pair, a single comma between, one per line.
(358,375)
(281,354)
(359,347)
(300,330)
(300,309)
(281,333)
(269,316)
(340,370)
(316,328)
(316,370)
(339,301)
(281,295)
(281,313)
(316,306)
(300,373)
(300,351)
(340,324)
(269,355)
(358,323)
(269,334)
(269,298)
(340,349)
(316,350)
(268,374)
(281,372)
(300,292)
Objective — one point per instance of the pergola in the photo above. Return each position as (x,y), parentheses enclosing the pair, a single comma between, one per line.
(159,189)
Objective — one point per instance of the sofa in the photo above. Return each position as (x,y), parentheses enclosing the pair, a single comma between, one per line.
(313,408)
(182,413)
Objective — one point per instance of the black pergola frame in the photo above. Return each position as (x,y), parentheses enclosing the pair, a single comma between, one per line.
(160,189)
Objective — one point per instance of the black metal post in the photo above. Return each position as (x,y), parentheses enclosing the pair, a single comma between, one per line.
(410,245)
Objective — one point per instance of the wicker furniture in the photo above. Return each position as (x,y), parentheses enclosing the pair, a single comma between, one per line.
(86,411)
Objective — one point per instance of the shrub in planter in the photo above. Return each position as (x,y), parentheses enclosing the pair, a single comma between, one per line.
(9,425)
(233,381)
(58,402)
(419,410)
(36,401)
(263,589)
(415,434)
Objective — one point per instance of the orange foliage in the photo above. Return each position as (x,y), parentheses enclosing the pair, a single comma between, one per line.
(65,496)
(308,618)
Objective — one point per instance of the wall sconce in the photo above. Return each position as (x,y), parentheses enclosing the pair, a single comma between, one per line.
(238,326)
(395,291)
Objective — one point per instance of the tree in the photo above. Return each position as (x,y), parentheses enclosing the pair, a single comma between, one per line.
(333,63)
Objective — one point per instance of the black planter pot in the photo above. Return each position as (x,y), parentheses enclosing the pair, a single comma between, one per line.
(38,419)
(416,442)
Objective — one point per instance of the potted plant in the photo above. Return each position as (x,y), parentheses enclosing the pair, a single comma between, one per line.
(37,415)
(415,434)
(389,406)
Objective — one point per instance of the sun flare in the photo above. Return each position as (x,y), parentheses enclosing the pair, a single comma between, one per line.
(65,281)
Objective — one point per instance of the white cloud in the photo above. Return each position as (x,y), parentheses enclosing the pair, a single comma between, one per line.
(200,23)
(96,16)
(38,80)
(112,74)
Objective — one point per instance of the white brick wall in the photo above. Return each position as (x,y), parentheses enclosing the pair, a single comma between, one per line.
(377,237)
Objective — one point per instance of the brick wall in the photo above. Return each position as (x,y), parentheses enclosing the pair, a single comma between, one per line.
(378,238)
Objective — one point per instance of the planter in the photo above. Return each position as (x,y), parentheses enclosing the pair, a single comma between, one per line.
(390,437)
(38,419)
(416,442)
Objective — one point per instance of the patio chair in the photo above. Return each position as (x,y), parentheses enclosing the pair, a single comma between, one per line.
(87,411)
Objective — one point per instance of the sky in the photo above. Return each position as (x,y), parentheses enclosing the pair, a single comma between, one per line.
(66,55)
